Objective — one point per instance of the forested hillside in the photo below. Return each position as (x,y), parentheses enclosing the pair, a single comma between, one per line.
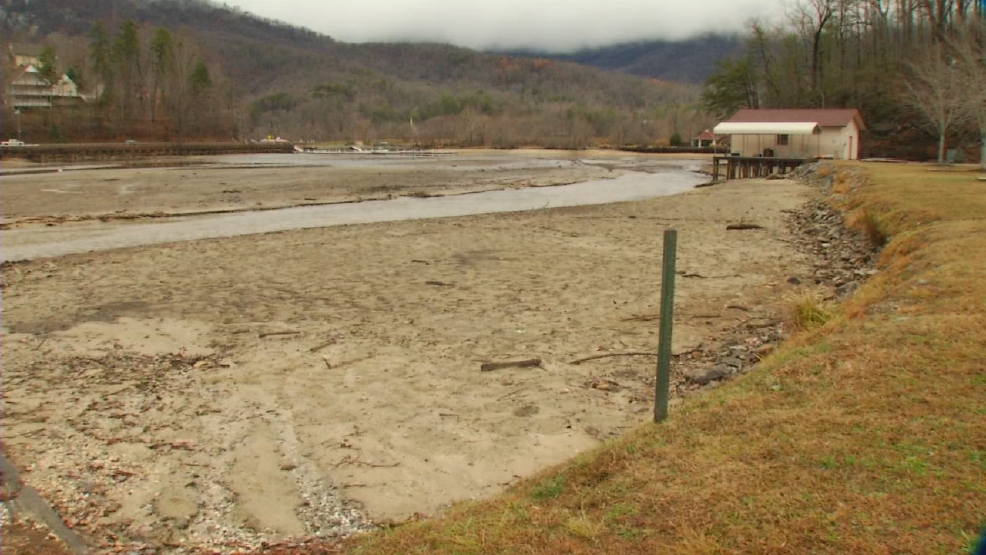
(916,69)
(688,61)
(270,78)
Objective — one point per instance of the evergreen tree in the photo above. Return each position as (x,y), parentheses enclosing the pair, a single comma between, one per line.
(99,55)
(162,59)
(48,66)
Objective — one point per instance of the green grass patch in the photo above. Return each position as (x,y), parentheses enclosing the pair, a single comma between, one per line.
(549,488)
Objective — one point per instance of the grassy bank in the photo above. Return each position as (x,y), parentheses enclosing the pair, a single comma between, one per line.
(864,435)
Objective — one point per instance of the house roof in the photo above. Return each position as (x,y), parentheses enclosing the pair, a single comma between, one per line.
(831,117)
(768,128)
(708,135)
(27,75)
(20,49)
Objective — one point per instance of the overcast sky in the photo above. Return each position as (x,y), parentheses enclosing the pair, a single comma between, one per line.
(558,25)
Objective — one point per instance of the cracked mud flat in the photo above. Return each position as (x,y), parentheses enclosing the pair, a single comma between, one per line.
(221,393)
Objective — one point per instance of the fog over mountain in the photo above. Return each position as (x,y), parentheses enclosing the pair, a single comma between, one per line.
(510,24)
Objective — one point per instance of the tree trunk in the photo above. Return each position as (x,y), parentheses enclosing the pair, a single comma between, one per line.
(154,100)
(941,148)
(982,154)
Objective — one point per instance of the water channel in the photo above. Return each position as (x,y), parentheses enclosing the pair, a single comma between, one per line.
(670,177)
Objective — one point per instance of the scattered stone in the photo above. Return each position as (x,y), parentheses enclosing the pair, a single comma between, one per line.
(841,256)
(605,385)
(765,349)
(731,362)
(847,289)
(794,281)
(703,376)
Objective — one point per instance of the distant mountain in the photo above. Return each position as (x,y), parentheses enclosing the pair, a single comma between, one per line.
(292,81)
(689,61)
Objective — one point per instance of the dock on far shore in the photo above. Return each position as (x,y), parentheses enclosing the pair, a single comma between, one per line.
(748,167)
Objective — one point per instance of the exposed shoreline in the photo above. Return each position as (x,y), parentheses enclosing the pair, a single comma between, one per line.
(334,365)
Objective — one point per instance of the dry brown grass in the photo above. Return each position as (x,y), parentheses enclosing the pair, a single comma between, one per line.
(871,226)
(808,310)
(866,435)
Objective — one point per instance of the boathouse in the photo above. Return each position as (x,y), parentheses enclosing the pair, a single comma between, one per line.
(794,134)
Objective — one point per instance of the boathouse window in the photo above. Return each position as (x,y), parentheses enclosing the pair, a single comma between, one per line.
(783,140)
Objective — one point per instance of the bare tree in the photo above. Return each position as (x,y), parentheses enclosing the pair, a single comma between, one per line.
(935,87)
(811,17)
(970,50)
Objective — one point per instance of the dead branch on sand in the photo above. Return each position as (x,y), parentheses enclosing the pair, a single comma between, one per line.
(491,366)
(611,355)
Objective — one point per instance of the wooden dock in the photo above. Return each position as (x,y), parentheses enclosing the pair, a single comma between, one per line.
(748,167)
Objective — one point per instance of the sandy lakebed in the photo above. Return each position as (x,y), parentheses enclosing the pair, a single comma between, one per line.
(215,394)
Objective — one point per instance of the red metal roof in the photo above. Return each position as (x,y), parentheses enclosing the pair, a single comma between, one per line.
(708,136)
(832,117)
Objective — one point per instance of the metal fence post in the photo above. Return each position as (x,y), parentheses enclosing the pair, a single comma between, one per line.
(663,384)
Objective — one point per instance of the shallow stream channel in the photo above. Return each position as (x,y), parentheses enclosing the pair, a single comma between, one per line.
(660,178)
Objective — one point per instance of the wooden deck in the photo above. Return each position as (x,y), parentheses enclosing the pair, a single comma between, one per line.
(747,167)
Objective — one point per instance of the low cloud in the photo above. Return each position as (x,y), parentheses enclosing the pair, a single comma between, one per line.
(549,25)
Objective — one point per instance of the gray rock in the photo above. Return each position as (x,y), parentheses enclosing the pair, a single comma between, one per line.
(732,362)
(702,376)
(765,349)
(847,289)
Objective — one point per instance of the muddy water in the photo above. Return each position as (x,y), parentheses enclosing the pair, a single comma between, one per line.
(27,244)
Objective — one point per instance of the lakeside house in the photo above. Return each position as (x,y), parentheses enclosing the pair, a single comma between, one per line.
(801,134)
(708,139)
(28,88)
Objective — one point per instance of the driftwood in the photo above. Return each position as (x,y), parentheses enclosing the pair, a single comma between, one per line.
(743,227)
(277,333)
(685,274)
(438,283)
(491,366)
(350,459)
(321,346)
(642,318)
(43,341)
(512,393)
(611,355)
